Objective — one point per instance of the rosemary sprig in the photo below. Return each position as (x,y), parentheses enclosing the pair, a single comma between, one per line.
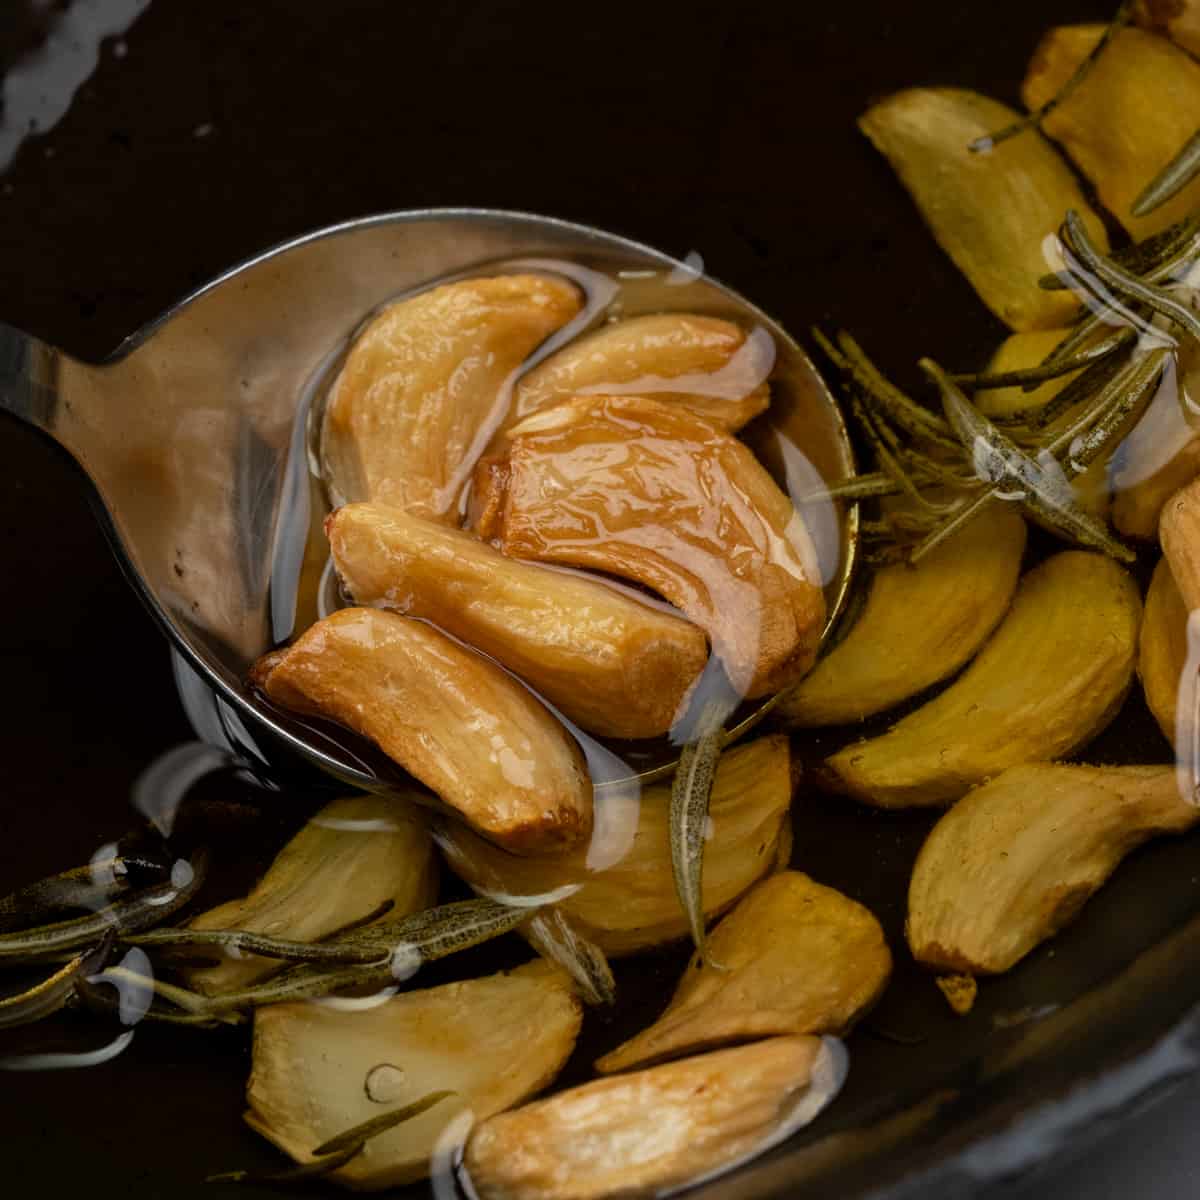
(1123,282)
(1034,119)
(1172,179)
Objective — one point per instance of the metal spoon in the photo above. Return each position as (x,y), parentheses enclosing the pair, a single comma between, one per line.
(190,437)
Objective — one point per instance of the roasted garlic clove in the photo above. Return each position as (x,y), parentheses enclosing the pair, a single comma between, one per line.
(319,1069)
(448,716)
(794,957)
(353,857)
(1015,860)
(657,1131)
(427,382)
(989,210)
(1179,533)
(649,492)
(632,904)
(703,363)
(932,617)
(1051,677)
(1128,118)
(1177,19)
(615,666)
(1163,647)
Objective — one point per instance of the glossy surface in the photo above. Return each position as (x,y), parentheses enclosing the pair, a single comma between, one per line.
(649,492)
(706,364)
(632,905)
(473,735)
(426,383)
(611,662)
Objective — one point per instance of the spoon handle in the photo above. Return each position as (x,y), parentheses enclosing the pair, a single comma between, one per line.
(27,372)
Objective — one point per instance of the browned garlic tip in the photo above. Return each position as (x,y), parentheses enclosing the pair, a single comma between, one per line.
(657,1131)
(457,722)
(355,855)
(1050,678)
(1016,859)
(320,1069)
(425,383)
(794,957)
(612,664)
(653,493)
(632,905)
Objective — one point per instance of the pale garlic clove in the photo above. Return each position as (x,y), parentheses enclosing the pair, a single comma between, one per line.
(658,1131)
(319,1069)
(1163,647)
(989,210)
(1016,859)
(653,493)
(632,905)
(1177,19)
(932,617)
(354,856)
(454,720)
(1138,105)
(427,381)
(704,363)
(612,664)
(1048,680)
(794,957)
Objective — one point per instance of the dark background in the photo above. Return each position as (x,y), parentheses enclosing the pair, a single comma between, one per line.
(223,127)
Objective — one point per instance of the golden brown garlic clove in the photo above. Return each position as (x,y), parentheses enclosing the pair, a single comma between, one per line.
(1128,118)
(990,210)
(451,718)
(425,384)
(319,1069)
(1177,19)
(653,493)
(632,905)
(355,855)
(932,617)
(1163,647)
(615,666)
(794,957)
(1051,677)
(1016,859)
(702,363)
(657,1131)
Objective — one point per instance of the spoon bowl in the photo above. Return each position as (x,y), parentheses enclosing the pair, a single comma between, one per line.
(194,437)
